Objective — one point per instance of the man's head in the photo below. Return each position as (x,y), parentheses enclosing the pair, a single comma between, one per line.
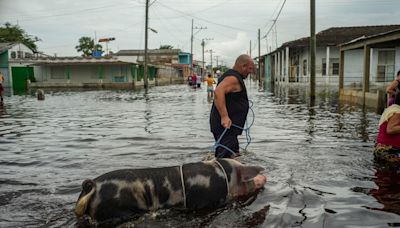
(209,75)
(244,65)
(398,74)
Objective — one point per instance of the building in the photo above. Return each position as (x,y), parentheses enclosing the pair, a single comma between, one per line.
(14,65)
(368,64)
(173,57)
(290,62)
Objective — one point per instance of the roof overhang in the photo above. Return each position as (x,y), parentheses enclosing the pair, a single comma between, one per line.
(77,61)
(379,40)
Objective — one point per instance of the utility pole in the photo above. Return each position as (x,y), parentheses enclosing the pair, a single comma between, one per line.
(216,58)
(276,36)
(146,83)
(191,50)
(191,46)
(202,51)
(211,59)
(259,58)
(250,49)
(312,50)
(203,43)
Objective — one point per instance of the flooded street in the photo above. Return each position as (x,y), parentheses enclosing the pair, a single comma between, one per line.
(318,160)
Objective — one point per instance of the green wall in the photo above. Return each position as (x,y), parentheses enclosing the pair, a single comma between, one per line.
(4,59)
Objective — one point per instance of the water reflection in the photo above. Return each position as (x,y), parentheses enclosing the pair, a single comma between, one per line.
(387,179)
(316,155)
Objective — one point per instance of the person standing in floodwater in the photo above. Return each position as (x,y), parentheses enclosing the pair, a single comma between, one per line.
(210,86)
(231,106)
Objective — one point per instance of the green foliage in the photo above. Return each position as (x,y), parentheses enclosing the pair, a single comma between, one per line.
(15,34)
(166,46)
(87,46)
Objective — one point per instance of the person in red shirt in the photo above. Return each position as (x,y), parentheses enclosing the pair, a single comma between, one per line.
(194,80)
(388,140)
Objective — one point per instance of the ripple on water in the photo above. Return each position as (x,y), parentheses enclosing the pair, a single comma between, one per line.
(318,159)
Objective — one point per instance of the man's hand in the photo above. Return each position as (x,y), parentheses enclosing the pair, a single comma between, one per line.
(226,122)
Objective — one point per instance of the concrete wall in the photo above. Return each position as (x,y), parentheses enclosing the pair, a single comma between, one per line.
(83,73)
(374,100)
(353,67)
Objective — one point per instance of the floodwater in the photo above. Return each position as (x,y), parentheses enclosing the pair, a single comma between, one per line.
(318,160)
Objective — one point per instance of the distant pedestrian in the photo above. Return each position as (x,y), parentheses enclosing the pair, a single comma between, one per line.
(1,87)
(210,86)
(198,81)
(40,94)
(231,106)
(194,80)
(391,89)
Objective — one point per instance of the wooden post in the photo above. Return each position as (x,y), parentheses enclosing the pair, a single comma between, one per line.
(341,70)
(367,59)
(146,85)
(312,49)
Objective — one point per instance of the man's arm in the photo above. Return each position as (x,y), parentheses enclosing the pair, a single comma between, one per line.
(230,84)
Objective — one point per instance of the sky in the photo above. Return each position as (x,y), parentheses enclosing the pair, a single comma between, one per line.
(228,26)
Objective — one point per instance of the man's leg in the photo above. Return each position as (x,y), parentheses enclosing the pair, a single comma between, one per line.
(230,141)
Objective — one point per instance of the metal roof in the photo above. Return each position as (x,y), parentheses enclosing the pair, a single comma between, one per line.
(151,52)
(78,60)
(338,35)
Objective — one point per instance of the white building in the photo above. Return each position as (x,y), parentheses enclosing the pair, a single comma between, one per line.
(290,62)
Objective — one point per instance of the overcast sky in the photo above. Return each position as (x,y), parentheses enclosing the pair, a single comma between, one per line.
(231,24)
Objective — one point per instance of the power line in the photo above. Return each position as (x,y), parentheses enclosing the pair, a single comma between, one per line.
(192,16)
(279,13)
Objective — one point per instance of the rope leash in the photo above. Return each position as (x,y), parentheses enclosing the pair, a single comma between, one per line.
(245,129)
(228,191)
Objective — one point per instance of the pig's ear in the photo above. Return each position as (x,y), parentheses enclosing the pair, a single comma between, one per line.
(249,172)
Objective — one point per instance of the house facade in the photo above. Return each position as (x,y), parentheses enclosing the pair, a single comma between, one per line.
(377,57)
(290,62)
(181,61)
(94,72)
(14,65)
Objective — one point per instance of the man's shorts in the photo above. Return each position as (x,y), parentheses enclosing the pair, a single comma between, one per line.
(210,89)
(1,88)
(229,140)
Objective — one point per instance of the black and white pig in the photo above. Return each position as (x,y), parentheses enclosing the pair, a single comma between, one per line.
(127,192)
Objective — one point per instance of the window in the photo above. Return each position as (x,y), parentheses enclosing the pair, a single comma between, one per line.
(20,54)
(119,79)
(335,68)
(385,69)
(57,72)
(28,55)
(13,55)
(305,67)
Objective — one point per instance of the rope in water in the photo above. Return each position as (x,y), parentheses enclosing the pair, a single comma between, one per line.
(245,129)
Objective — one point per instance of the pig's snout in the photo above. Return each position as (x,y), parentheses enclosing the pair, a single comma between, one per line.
(259,181)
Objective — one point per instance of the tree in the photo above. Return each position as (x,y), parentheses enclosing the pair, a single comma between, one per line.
(15,34)
(87,46)
(166,46)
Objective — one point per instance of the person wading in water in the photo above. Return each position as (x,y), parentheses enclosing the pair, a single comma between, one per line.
(231,106)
